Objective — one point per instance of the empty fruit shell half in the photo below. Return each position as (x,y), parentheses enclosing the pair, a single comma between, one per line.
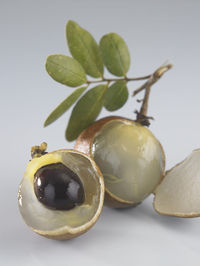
(61,194)
(179,192)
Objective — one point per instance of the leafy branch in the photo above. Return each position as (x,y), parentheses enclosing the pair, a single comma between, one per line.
(89,59)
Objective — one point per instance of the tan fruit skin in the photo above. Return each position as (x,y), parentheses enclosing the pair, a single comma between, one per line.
(84,144)
(78,231)
(65,236)
(177,214)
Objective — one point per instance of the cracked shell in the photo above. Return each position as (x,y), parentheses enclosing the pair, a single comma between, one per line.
(179,192)
(62,224)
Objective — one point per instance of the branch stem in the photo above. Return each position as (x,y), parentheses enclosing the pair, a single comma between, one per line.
(144,106)
(142,114)
(118,79)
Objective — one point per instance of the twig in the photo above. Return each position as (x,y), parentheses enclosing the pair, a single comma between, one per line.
(153,78)
(118,79)
(142,117)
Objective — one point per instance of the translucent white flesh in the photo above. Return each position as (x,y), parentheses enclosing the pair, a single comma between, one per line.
(130,158)
(37,216)
(179,192)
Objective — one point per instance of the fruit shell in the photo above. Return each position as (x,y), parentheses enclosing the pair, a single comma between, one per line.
(84,144)
(74,232)
(180,215)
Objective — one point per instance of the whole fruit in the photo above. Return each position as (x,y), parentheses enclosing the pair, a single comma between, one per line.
(131,159)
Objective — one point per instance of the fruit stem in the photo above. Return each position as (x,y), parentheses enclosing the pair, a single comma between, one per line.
(38,151)
(142,117)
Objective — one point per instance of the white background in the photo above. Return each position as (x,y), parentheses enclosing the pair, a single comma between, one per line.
(154,31)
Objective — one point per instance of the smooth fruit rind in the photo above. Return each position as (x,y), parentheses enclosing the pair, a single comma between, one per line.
(85,143)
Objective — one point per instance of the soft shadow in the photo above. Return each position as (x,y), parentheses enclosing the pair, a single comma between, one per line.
(146,211)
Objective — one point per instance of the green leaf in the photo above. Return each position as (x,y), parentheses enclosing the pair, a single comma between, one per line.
(85,111)
(116,96)
(84,49)
(115,54)
(65,70)
(64,106)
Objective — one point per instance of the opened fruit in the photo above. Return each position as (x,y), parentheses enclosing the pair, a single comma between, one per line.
(61,194)
(129,156)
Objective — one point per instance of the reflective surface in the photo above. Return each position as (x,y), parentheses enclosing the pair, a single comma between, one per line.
(57,187)
(130,159)
(40,217)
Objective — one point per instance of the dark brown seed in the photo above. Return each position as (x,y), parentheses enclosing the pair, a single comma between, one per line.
(58,187)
